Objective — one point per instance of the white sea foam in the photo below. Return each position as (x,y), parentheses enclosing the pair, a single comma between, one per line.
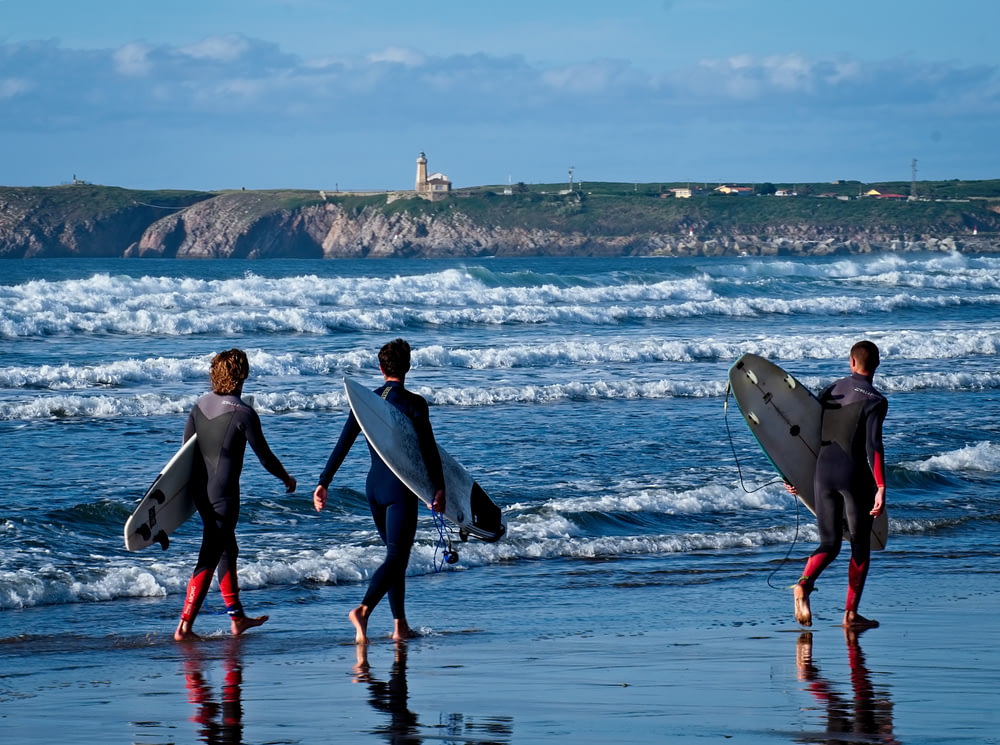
(983,456)
(105,304)
(903,345)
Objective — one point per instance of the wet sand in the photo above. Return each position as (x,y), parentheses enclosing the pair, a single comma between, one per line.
(594,674)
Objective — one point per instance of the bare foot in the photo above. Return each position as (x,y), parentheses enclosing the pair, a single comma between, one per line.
(857,622)
(183,633)
(402,631)
(240,624)
(359,617)
(803,613)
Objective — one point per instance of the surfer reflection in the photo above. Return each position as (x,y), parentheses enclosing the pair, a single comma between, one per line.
(403,727)
(220,722)
(865,717)
(389,697)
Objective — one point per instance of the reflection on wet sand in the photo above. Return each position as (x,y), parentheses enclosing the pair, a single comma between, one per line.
(865,716)
(220,722)
(392,698)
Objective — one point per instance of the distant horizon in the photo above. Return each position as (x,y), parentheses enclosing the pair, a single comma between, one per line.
(314,95)
(382,190)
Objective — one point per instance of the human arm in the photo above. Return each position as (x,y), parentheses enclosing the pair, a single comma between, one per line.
(876,454)
(257,441)
(432,457)
(348,435)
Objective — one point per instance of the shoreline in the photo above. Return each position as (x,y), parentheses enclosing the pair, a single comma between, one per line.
(489,677)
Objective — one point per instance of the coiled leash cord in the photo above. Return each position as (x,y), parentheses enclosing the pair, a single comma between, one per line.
(448,554)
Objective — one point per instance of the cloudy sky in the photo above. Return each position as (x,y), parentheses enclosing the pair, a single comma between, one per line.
(212,94)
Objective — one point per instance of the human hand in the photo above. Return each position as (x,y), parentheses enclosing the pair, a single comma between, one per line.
(290,485)
(438,503)
(791,489)
(879,502)
(319,497)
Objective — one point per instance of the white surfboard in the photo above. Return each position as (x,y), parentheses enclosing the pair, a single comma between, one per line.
(785,417)
(393,436)
(166,505)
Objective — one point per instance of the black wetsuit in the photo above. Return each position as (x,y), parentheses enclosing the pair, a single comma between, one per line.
(393,506)
(849,469)
(224,425)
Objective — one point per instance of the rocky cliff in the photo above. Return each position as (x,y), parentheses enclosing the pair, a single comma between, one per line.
(104,221)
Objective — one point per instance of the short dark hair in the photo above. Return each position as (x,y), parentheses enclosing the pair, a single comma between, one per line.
(229,369)
(394,358)
(866,355)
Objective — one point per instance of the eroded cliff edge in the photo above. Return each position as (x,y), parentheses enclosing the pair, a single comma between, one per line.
(109,222)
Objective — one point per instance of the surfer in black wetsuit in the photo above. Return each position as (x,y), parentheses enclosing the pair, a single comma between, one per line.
(849,482)
(393,506)
(224,424)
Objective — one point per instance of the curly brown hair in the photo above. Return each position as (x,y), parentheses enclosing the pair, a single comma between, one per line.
(229,369)
(394,358)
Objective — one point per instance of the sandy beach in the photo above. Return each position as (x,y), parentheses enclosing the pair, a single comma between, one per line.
(643,665)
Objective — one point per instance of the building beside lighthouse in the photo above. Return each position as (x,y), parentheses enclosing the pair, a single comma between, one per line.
(433,187)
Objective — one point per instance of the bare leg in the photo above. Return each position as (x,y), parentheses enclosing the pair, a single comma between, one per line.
(854,620)
(240,624)
(359,617)
(402,631)
(803,613)
(184,632)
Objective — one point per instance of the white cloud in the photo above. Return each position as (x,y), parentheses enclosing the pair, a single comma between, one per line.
(132,60)
(589,78)
(398,55)
(10,87)
(227,48)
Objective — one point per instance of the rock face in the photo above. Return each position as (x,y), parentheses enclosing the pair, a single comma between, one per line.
(253,225)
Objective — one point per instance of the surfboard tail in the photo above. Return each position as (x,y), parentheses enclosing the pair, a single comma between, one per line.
(486,516)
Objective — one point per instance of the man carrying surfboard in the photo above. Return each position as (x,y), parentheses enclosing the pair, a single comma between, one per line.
(849,482)
(394,507)
(225,424)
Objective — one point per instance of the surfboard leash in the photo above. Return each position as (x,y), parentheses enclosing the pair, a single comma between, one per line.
(448,554)
(732,446)
(739,470)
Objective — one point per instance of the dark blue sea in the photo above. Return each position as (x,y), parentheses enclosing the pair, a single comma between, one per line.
(587,396)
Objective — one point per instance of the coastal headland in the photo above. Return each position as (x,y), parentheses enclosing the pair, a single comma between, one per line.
(599,219)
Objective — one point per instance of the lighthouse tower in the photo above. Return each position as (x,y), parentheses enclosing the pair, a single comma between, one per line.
(433,187)
(421,186)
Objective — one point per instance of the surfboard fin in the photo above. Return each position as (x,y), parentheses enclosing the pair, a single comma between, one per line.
(163,539)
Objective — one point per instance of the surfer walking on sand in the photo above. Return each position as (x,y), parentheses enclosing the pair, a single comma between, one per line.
(224,424)
(849,482)
(393,506)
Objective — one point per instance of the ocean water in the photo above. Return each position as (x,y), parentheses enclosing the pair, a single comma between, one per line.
(588,397)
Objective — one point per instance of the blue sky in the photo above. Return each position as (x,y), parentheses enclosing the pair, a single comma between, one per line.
(213,94)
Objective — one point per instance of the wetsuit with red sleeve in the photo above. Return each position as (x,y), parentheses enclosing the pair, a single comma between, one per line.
(849,470)
(224,425)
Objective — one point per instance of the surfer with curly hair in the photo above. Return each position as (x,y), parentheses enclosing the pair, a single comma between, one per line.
(849,483)
(225,424)
(393,506)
